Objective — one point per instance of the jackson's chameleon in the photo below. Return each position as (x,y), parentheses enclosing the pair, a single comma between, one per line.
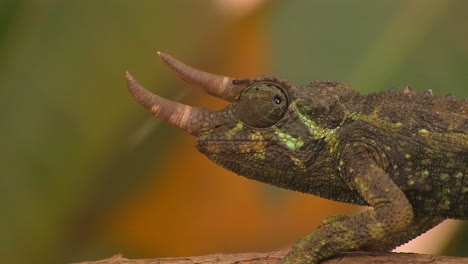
(404,154)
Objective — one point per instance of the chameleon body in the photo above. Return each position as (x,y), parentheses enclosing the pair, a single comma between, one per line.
(402,153)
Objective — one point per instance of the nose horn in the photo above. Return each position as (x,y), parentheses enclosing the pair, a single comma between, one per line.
(220,86)
(174,113)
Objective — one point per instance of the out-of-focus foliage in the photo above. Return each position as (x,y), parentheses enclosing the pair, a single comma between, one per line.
(86,173)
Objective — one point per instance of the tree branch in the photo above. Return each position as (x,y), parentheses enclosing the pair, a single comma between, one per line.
(275,257)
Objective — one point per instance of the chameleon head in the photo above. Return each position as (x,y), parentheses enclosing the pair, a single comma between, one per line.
(257,135)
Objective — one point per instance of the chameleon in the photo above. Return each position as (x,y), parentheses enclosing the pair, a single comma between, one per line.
(401,153)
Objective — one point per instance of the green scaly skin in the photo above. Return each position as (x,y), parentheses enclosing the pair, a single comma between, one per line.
(402,153)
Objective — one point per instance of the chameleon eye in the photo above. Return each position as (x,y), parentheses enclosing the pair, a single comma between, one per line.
(262,104)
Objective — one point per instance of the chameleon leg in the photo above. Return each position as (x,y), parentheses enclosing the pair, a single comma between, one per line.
(392,213)
(334,218)
(419,227)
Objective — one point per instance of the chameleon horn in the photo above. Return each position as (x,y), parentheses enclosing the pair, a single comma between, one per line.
(220,86)
(176,114)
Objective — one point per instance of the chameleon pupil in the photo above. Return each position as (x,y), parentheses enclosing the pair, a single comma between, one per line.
(277,100)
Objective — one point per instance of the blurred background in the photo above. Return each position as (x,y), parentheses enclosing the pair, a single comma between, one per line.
(86,173)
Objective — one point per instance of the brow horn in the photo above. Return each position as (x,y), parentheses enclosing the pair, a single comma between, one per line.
(220,86)
(171,112)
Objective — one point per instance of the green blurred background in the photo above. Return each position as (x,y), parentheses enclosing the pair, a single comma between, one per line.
(86,173)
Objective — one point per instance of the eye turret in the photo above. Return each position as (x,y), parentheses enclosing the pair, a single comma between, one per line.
(262,104)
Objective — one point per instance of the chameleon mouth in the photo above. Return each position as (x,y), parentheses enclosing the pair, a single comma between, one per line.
(219,146)
(235,155)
